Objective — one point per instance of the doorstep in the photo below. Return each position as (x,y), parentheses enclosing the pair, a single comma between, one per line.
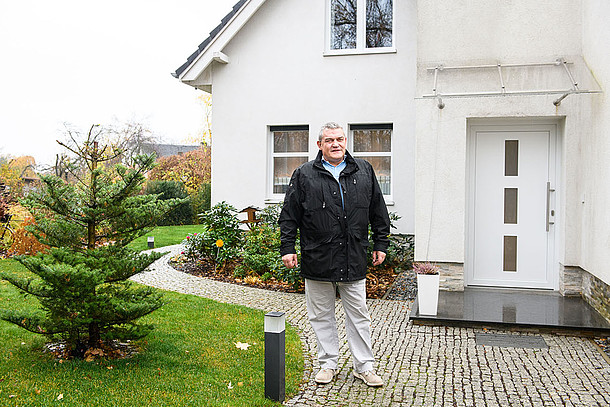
(514,308)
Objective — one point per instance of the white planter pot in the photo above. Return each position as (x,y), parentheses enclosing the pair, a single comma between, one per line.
(427,293)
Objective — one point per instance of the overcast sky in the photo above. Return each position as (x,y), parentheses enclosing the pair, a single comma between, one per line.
(84,62)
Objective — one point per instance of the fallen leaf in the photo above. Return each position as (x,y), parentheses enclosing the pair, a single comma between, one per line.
(60,397)
(243,346)
(240,383)
(37,391)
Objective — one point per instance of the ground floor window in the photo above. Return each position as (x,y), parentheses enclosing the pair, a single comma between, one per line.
(289,149)
(373,143)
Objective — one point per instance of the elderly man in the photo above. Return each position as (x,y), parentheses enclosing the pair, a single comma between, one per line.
(332,200)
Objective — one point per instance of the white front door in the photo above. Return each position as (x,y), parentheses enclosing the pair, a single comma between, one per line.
(512,208)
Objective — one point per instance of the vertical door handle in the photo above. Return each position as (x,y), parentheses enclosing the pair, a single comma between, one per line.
(549,211)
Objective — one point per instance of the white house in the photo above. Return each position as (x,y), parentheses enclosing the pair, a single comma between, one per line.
(486,121)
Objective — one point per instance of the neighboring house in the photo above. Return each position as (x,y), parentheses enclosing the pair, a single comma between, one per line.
(26,166)
(486,121)
(164,150)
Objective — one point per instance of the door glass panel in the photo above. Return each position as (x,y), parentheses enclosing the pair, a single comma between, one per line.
(510,253)
(510,206)
(511,158)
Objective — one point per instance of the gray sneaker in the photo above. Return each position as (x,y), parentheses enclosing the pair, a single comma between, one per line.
(370,378)
(325,376)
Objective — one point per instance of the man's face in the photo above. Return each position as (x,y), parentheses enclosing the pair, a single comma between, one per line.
(333,145)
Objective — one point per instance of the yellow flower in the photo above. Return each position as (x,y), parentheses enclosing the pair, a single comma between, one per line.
(219,243)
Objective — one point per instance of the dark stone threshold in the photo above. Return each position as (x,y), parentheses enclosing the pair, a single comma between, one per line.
(515,309)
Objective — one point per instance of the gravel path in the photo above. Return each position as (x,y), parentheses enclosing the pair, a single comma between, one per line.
(422,365)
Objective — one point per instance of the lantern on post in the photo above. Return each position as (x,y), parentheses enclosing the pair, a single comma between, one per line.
(275,356)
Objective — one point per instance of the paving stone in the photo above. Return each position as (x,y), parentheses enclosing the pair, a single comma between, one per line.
(421,365)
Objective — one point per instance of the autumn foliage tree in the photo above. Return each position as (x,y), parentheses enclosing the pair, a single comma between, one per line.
(193,170)
(82,282)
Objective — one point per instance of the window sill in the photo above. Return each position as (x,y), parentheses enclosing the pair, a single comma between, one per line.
(367,51)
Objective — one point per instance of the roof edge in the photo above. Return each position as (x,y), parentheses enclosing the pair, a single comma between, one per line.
(210,39)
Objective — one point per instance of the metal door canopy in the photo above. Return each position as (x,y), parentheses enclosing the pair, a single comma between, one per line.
(560,77)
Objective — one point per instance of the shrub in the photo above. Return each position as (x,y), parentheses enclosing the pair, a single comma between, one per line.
(271,214)
(200,199)
(221,237)
(183,213)
(260,250)
(400,251)
(24,242)
(261,256)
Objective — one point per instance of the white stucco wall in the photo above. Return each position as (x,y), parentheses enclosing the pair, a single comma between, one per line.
(278,75)
(594,179)
(519,31)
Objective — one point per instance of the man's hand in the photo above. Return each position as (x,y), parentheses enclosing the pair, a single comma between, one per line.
(378,258)
(290,260)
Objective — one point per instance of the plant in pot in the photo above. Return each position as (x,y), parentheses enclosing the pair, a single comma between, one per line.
(427,287)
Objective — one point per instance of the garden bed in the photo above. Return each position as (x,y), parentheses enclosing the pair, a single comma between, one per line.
(379,282)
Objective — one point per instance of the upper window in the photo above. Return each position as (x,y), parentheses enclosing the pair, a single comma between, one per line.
(361,25)
(289,149)
(373,143)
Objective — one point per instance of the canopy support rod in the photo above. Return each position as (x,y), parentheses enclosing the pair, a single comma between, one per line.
(501,79)
(557,101)
(572,81)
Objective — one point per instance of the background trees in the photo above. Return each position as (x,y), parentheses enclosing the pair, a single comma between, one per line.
(193,169)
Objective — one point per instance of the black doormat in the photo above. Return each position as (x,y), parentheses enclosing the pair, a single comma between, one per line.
(511,341)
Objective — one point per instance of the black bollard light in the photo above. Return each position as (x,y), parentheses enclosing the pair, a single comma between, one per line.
(151,242)
(275,356)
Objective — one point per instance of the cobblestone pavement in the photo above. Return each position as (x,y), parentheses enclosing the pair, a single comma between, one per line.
(422,365)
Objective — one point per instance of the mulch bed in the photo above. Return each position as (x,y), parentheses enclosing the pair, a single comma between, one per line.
(378,282)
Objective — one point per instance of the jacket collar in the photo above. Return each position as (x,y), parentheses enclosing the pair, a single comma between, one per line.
(350,164)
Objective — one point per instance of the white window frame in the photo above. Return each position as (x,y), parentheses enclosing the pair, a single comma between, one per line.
(375,126)
(271,196)
(360,33)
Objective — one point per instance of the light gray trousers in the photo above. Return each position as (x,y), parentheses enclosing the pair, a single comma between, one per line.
(320,297)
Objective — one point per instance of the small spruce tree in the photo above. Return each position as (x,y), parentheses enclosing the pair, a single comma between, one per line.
(82,282)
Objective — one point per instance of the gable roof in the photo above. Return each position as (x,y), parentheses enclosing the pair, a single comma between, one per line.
(208,40)
(195,70)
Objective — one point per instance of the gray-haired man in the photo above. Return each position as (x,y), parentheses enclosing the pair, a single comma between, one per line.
(332,200)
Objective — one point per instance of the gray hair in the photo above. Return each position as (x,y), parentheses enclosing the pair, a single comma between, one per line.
(329,126)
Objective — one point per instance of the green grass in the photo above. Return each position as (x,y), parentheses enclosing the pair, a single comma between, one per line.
(188,360)
(165,236)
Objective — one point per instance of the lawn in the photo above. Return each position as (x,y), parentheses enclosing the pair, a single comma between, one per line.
(189,359)
(165,236)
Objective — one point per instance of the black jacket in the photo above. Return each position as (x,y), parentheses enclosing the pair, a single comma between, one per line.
(334,240)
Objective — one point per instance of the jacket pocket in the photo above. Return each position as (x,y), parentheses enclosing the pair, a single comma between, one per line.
(317,258)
